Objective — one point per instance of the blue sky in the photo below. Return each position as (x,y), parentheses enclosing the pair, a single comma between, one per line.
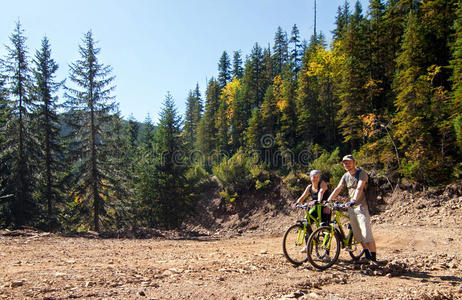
(158,46)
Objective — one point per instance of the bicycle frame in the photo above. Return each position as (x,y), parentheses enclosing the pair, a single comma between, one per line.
(308,220)
(339,229)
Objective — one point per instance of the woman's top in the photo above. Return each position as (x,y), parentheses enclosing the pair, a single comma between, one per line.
(314,195)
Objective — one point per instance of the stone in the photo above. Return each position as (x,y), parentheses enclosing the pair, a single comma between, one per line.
(16,283)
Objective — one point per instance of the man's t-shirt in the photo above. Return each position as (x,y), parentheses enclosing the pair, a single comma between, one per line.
(351,183)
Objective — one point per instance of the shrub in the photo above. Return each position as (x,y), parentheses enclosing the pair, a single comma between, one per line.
(329,166)
(296,183)
(239,174)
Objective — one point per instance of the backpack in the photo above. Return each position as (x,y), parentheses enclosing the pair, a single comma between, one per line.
(370,191)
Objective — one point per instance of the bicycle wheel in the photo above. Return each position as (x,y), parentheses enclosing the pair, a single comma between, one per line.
(354,248)
(293,243)
(323,248)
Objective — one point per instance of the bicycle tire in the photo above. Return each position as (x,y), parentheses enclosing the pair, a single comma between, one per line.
(358,249)
(292,245)
(320,257)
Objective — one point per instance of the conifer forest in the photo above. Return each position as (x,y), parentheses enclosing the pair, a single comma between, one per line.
(388,89)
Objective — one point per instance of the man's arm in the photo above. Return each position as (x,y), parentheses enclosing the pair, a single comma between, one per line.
(358,192)
(335,192)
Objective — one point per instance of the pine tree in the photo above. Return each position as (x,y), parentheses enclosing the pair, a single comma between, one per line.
(207,129)
(189,119)
(47,129)
(353,94)
(270,126)
(192,116)
(134,129)
(268,69)
(254,77)
(224,66)
(147,133)
(421,109)
(167,193)
(254,132)
(237,71)
(456,65)
(280,51)
(5,163)
(306,103)
(17,149)
(342,20)
(295,49)
(284,93)
(91,108)
(122,208)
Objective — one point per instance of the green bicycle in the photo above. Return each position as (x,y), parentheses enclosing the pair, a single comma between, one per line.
(325,242)
(294,242)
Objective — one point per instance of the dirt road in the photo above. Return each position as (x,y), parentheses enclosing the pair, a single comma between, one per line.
(424,262)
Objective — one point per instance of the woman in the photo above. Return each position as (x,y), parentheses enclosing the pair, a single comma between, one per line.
(319,194)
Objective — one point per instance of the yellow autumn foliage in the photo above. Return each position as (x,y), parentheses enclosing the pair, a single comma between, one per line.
(228,95)
(326,63)
(279,90)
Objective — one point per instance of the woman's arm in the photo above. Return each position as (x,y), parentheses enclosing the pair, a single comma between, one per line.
(304,195)
(322,190)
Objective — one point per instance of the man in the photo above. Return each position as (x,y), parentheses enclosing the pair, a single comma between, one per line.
(357,206)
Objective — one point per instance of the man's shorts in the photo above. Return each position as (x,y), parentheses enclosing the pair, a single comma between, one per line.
(360,221)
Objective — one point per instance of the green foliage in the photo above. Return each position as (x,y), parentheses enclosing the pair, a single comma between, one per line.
(240,173)
(296,183)
(166,189)
(192,116)
(18,148)
(90,110)
(458,131)
(329,166)
(47,127)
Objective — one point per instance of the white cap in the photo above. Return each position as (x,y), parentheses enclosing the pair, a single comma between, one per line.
(314,172)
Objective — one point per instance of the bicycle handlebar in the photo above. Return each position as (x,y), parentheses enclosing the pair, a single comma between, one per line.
(305,205)
(336,206)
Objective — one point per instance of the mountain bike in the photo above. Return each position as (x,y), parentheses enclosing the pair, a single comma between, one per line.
(325,242)
(294,242)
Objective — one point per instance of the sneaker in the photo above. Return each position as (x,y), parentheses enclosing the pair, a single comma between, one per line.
(373,263)
(326,259)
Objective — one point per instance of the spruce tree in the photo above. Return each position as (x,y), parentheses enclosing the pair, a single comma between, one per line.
(353,95)
(91,108)
(168,194)
(237,70)
(6,191)
(207,129)
(421,109)
(121,158)
(192,116)
(295,49)
(147,133)
(456,65)
(342,20)
(18,150)
(254,77)
(134,129)
(280,50)
(47,129)
(224,69)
